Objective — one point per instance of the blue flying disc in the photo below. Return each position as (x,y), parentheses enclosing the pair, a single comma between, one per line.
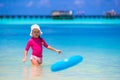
(66,63)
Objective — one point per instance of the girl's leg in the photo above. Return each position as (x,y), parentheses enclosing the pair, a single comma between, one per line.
(35,62)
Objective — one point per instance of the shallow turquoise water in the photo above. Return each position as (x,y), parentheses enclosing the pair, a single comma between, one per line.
(28,21)
(99,44)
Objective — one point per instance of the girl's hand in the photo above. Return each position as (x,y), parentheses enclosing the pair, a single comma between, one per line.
(53,49)
(24,59)
(58,51)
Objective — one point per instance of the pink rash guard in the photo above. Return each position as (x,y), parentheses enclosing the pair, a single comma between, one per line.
(36,45)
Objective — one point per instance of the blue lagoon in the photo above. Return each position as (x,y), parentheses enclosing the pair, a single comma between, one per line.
(97,41)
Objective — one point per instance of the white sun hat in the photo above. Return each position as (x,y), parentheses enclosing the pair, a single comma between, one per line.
(33,27)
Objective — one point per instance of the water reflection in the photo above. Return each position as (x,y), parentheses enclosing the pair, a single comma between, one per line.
(32,73)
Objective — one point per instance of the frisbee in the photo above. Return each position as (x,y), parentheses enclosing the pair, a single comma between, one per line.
(66,63)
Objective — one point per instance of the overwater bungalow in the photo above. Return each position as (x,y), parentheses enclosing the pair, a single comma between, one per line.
(62,15)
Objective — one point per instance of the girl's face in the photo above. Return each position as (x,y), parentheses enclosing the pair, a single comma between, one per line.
(35,33)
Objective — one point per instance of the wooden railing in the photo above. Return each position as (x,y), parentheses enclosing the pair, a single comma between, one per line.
(48,16)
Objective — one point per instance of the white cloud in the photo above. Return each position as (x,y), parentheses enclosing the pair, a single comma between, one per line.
(30,4)
(117,2)
(1,4)
(79,3)
(44,3)
(38,3)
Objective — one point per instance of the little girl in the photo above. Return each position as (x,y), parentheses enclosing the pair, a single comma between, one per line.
(36,42)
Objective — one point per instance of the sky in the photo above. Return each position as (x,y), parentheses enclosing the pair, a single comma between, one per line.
(45,7)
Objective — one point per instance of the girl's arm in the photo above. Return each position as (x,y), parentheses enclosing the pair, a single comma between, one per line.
(25,56)
(26,51)
(49,47)
(53,49)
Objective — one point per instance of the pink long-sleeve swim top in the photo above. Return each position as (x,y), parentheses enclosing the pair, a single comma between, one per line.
(36,45)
